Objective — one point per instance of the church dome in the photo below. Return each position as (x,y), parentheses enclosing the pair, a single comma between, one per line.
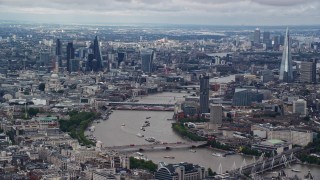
(54,76)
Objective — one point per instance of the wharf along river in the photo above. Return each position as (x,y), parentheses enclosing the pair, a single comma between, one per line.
(123,126)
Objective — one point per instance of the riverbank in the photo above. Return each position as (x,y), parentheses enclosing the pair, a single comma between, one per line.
(77,125)
(180,129)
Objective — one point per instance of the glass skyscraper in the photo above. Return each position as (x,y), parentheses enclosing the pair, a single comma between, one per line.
(97,54)
(147,60)
(204,94)
(70,54)
(286,74)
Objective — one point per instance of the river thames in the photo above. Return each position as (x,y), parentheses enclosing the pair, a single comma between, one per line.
(122,128)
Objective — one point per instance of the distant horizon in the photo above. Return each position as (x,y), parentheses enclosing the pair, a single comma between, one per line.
(153,24)
(190,12)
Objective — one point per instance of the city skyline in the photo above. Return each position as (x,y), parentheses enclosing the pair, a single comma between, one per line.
(216,12)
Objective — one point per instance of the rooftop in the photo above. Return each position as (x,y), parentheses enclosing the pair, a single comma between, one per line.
(275,141)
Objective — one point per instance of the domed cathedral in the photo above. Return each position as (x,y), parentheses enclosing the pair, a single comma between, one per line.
(53,84)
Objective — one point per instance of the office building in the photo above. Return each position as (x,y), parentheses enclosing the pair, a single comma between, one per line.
(121,57)
(45,59)
(245,97)
(89,64)
(59,52)
(308,71)
(256,36)
(97,54)
(58,48)
(266,76)
(300,107)
(74,65)
(181,171)
(286,73)
(204,94)
(147,60)
(70,54)
(266,37)
(275,42)
(216,114)
(266,40)
(282,40)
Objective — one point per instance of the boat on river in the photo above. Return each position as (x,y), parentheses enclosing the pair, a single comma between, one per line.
(150,139)
(295,170)
(192,150)
(217,154)
(169,157)
(140,135)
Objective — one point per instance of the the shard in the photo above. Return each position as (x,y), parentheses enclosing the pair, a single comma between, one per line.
(286,74)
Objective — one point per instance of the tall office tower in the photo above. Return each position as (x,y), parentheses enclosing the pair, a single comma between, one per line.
(256,36)
(58,48)
(281,40)
(147,60)
(89,65)
(275,42)
(74,65)
(266,37)
(215,116)
(97,54)
(45,59)
(204,94)
(308,71)
(121,57)
(286,74)
(59,52)
(237,41)
(70,54)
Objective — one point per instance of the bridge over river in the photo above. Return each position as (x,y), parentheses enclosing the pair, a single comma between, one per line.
(141,104)
(160,146)
(267,164)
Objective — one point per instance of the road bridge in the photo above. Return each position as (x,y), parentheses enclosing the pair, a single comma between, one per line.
(153,147)
(141,104)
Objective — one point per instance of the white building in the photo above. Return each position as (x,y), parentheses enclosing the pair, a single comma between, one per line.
(298,137)
(295,136)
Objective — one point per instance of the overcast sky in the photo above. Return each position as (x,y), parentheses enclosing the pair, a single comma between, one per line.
(212,12)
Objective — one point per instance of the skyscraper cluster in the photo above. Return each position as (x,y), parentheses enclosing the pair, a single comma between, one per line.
(92,57)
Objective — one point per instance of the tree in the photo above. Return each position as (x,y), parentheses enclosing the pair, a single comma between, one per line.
(211,173)
(42,86)
(33,111)
(142,164)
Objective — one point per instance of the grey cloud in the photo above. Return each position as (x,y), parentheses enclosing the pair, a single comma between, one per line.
(283,2)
